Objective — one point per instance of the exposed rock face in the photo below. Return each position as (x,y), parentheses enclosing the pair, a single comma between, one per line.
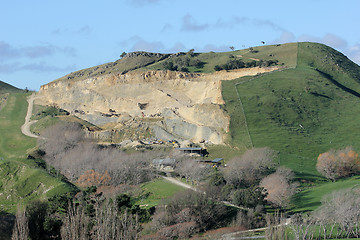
(174,105)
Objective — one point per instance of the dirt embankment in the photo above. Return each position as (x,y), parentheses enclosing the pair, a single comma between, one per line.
(174,105)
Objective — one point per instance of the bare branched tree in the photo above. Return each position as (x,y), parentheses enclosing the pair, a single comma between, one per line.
(340,211)
(75,223)
(336,164)
(21,228)
(248,168)
(279,187)
(76,157)
(192,170)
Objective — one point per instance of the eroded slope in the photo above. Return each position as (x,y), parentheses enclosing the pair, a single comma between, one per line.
(167,104)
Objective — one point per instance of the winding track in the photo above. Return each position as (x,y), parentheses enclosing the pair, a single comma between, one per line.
(25,128)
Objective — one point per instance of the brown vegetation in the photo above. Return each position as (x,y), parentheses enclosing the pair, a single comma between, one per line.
(250,167)
(279,187)
(80,160)
(336,164)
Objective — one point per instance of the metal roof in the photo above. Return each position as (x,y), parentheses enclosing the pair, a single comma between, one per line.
(190,149)
(216,160)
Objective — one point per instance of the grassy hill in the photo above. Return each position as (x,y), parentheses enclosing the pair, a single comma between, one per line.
(302,110)
(6,88)
(299,112)
(21,180)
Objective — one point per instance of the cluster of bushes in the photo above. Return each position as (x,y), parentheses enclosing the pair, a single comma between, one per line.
(238,63)
(50,111)
(186,214)
(181,63)
(336,164)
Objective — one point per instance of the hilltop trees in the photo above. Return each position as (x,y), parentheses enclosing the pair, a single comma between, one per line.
(336,164)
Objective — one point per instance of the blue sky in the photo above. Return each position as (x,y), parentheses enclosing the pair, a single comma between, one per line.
(41,41)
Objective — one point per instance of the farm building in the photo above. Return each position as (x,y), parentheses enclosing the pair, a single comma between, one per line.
(193,151)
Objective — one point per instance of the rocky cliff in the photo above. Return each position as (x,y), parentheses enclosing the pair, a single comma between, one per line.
(169,105)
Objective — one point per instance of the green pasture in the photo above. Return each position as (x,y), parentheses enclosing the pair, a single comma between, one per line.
(20,179)
(309,199)
(156,191)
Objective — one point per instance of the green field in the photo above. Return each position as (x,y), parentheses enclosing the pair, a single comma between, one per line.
(20,178)
(13,144)
(156,191)
(309,199)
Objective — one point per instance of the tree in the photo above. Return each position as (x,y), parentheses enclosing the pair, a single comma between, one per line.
(279,187)
(192,170)
(187,213)
(218,68)
(247,170)
(21,228)
(191,52)
(169,65)
(123,54)
(75,223)
(339,214)
(249,197)
(336,164)
(37,212)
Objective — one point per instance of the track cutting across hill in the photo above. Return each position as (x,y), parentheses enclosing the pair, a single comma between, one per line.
(25,128)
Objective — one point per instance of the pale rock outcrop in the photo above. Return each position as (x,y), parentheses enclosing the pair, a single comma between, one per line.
(174,105)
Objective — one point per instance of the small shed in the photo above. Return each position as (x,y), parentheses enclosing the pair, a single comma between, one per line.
(218,161)
(193,150)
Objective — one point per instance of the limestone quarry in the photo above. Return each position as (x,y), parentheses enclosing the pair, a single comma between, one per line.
(164,104)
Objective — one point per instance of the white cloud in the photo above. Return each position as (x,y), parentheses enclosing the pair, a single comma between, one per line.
(139,44)
(214,48)
(84,30)
(285,37)
(167,27)
(34,67)
(190,25)
(329,39)
(140,3)
(178,47)
(8,51)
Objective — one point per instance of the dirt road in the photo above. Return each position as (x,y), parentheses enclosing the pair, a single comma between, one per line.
(179,183)
(25,129)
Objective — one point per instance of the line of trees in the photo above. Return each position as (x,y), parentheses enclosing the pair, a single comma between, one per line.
(89,216)
(182,62)
(234,63)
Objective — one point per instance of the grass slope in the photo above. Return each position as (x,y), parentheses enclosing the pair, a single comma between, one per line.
(20,179)
(299,112)
(285,54)
(120,66)
(7,88)
(158,190)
